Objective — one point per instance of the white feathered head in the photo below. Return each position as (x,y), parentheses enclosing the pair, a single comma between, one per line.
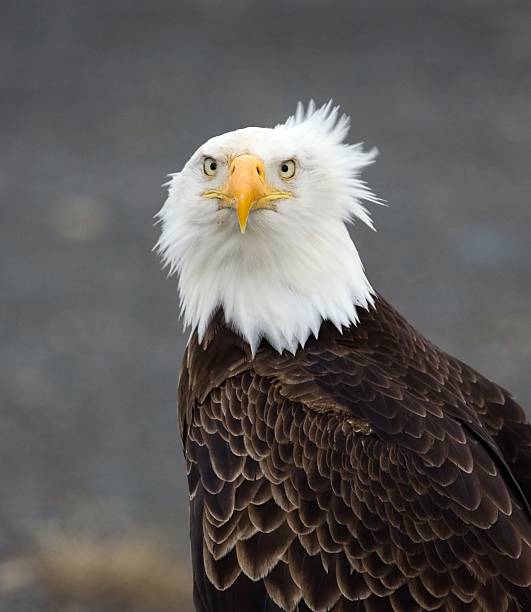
(255,224)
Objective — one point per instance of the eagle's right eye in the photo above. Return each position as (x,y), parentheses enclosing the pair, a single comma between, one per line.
(210,166)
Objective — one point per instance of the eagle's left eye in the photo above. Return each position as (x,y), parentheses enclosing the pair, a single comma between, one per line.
(210,166)
(287,169)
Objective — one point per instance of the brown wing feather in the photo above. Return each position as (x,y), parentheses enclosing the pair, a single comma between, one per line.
(369,472)
(384,373)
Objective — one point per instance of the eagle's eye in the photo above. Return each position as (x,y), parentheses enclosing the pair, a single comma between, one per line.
(287,169)
(210,166)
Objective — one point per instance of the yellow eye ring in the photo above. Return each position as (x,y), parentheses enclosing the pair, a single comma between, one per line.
(210,166)
(287,169)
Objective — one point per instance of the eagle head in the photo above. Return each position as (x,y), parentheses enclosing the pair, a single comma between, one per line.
(255,224)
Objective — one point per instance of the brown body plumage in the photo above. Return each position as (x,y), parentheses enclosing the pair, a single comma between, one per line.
(369,471)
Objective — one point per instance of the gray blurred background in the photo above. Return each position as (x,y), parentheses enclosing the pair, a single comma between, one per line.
(99,100)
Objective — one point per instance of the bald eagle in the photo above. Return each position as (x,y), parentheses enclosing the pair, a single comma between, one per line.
(337,459)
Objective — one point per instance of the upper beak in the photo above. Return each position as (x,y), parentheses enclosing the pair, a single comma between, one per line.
(246,185)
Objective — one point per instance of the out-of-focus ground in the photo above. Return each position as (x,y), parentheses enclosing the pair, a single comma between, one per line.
(98,101)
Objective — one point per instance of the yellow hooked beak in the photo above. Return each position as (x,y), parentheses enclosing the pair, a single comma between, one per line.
(246,185)
(246,188)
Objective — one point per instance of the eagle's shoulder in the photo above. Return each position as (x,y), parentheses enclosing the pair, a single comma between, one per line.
(386,378)
(389,377)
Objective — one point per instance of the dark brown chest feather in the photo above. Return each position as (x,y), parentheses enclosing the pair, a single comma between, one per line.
(370,471)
